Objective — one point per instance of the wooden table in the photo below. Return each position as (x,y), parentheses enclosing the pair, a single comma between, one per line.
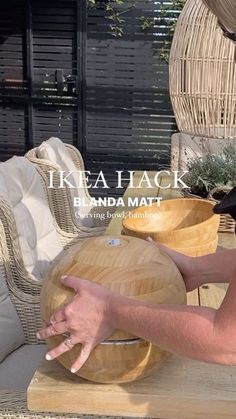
(180,389)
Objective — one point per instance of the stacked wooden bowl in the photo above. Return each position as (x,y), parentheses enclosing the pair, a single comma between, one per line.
(128,266)
(186,225)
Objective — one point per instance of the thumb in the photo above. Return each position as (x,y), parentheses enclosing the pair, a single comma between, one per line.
(71,281)
(86,350)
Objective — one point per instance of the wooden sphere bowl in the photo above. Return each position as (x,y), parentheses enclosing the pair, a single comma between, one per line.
(177,223)
(128,266)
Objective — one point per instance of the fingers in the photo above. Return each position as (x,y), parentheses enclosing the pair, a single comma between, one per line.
(52,330)
(65,346)
(71,281)
(156,243)
(58,316)
(86,350)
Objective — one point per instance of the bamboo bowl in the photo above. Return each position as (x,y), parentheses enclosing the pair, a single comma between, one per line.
(128,266)
(199,250)
(177,223)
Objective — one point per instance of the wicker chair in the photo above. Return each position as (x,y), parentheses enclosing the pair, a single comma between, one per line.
(24,289)
(25,295)
(24,292)
(62,198)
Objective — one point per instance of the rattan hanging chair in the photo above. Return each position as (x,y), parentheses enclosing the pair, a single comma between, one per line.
(203,75)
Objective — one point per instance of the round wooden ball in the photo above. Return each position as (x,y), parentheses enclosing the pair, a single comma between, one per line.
(126,265)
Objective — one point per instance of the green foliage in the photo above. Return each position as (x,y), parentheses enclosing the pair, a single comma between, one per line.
(212,171)
(146,23)
(169,14)
(116,9)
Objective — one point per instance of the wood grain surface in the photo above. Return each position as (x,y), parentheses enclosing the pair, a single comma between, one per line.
(128,266)
(177,223)
(181,388)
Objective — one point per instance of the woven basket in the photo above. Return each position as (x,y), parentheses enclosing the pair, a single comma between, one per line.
(227,223)
(202,75)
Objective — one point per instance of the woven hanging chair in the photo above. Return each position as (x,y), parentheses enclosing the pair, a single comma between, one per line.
(203,75)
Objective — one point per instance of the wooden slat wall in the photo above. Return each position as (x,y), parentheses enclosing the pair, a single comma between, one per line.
(55,121)
(129,115)
(54,41)
(12,24)
(12,131)
(119,113)
(12,117)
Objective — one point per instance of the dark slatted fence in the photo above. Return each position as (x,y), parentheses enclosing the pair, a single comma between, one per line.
(63,73)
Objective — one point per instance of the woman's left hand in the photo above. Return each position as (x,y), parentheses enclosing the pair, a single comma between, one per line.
(86,319)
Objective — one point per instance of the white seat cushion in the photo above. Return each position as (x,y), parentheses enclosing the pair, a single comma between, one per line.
(55,151)
(21,186)
(17,370)
(11,331)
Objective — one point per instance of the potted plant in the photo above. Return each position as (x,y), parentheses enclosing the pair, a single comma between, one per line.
(211,177)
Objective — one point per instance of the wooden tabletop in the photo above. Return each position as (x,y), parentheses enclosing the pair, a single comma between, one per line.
(180,389)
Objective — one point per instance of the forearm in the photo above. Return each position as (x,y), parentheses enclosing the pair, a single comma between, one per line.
(215,268)
(196,271)
(184,330)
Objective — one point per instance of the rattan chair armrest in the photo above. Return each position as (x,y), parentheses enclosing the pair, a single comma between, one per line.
(42,162)
(24,290)
(61,204)
(11,256)
(79,164)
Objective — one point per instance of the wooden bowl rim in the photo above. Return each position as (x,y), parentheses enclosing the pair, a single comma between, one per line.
(210,203)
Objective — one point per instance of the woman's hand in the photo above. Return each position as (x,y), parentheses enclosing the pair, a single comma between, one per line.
(86,319)
(187,265)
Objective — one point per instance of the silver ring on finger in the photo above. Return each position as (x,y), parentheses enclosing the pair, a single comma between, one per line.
(66,334)
(68,343)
